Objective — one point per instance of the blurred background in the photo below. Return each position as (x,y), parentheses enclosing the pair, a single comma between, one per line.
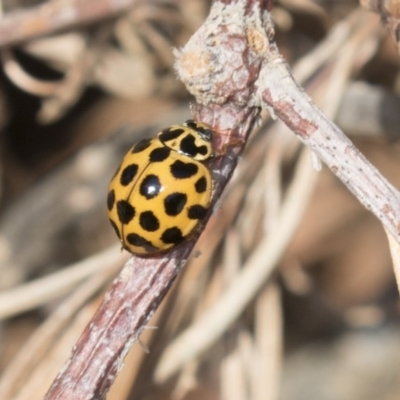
(325,326)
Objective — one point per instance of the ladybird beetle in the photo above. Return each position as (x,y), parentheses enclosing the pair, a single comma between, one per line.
(162,189)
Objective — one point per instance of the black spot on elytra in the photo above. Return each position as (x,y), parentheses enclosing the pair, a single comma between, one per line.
(170,134)
(197,212)
(201,185)
(150,186)
(139,241)
(188,147)
(142,145)
(114,225)
(172,236)
(110,199)
(128,174)
(205,133)
(190,123)
(182,170)
(148,221)
(125,211)
(174,203)
(159,154)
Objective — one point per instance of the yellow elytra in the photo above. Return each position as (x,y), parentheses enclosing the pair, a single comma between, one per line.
(162,189)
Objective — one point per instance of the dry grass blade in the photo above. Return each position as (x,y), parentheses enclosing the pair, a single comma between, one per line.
(22,79)
(395,253)
(233,382)
(42,340)
(268,351)
(41,291)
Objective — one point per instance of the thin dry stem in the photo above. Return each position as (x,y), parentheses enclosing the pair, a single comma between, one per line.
(314,129)
(54,16)
(389,11)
